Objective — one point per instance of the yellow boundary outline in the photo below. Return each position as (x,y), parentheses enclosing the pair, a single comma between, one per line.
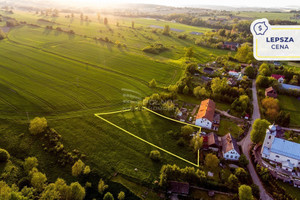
(143,140)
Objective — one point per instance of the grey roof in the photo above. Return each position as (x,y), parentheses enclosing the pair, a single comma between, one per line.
(290,87)
(286,148)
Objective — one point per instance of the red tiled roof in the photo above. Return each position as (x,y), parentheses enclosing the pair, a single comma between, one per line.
(277,76)
(207,110)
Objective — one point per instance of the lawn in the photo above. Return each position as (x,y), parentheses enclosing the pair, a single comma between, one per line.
(295,192)
(291,105)
(228,126)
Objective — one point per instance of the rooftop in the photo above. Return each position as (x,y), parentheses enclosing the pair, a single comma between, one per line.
(207,110)
(286,148)
(229,143)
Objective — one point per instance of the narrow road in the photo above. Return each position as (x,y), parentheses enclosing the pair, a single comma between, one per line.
(228,115)
(246,145)
(291,129)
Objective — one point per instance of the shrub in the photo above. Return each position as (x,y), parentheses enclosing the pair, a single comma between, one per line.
(11,23)
(155,155)
(37,125)
(4,155)
(2,34)
(155,49)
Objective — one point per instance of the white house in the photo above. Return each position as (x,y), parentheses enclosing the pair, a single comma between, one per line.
(234,74)
(281,151)
(230,149)
(205,116)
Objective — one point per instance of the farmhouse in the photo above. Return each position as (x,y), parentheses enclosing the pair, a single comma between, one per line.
(205,116)
(283,152)
(234,74)
(271,92)
(230,45)
(278,77)
(230,149)
(211,142)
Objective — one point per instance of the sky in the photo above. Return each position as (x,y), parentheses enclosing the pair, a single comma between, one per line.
(231,3)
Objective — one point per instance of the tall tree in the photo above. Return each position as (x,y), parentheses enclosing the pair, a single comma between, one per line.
(166,30)
(196,142)
(245,192)
(102,186)
(78,168)
(189,52)
(259,130)
(211,161)
(105,21)
(38,125)
(77,191)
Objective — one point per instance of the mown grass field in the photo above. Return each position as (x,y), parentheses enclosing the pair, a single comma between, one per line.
(268,15)
(291,105)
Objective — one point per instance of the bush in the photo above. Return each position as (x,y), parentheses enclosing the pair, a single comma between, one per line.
(155,49)
(155,155)
(2,34)
(4,155)
(11,23)
(38,125)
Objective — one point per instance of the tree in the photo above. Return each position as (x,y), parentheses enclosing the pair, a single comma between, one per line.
(250,72)
(2,34)
(244,54)
(98,16)
(233,181)
(38,125)
(63,188)
(262,81)
(102,186)
(50,193)
(186,90)
(155,155)
(87,170)
(196,142)
(132,24)
(271,107)
(78,168)
(30,163)
(189,52)
(200,92)
(4,155)
(38,180)
(121,195)
(218,85)
(241,174)
(245,192)
(77,191)
(81,16)
(186,131)
(105,21)
(152,83)
(264,69)
(243,161)
(211,161)
(166,30)
(259,130)
(108,196)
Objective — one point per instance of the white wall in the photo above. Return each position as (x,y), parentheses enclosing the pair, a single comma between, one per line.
(231,155)
(283,159)
(204,123)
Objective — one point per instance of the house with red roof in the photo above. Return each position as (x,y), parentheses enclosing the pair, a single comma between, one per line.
(206,113)
(278,77)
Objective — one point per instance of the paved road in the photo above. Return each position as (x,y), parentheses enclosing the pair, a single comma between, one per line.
(291,129)
(246,145)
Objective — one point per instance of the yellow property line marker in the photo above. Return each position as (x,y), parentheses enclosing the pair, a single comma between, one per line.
(143,140)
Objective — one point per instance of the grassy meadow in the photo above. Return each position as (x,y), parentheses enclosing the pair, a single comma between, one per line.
(291,105)
(69,77)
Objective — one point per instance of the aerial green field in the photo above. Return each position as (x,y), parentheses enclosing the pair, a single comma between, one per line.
(268,15)
(67,78)
(291,105)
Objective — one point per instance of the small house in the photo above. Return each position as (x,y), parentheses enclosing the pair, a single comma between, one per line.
(279,78)
(230,149)
(208,70)
(211,142)
(230,45)
(271,92)
(234,74)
